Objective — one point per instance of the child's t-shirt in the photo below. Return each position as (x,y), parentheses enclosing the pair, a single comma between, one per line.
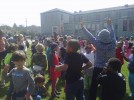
(90,57)
(22,80)
(74,62)
(39,59)
(113,86)
(119,55)
(89,71)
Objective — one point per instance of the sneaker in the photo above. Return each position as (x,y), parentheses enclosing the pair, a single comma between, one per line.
(131,95)
(55,95)
(57,92)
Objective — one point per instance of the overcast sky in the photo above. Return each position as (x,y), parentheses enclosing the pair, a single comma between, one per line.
(16,11)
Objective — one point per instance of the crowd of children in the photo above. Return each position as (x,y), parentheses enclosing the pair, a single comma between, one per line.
(83,65)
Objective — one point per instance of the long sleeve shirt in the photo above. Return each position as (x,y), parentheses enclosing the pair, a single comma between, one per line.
(104,51)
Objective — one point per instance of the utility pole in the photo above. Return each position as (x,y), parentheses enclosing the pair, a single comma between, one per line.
(26,25)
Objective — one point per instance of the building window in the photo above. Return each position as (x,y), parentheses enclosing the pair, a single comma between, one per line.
(125,25)
(98,17)
(97,27)
(131,25)
(76,27)
(93,27)
(89,26)
(118,14)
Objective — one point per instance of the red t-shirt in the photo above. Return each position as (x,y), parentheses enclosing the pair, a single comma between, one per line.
(119,55)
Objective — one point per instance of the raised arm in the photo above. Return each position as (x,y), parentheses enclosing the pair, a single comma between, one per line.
(111,29)
(89,35)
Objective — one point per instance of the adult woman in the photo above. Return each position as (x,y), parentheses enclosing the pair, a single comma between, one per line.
(105,44)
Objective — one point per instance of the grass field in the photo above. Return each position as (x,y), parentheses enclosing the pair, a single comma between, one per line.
(60,85)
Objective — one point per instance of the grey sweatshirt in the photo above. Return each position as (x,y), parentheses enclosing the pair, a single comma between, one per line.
(22,79)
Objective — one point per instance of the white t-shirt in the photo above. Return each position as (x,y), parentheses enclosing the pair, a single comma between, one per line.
(89,71)
(90,57)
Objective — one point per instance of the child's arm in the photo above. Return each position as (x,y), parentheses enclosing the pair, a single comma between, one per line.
(51,60)
(125,57)
(5,74)
(31,85)
(32,63)
(90,36)
(111,29)
(63,67)
(88,65)
(45,62)
(87,62)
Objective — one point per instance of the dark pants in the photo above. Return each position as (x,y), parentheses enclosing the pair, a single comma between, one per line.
(19,95)
(75,90)
(10,90)
(94,84)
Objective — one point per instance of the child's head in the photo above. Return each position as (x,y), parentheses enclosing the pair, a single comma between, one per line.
(119,44)
(33,42)
(12,48)
(36,41)
(39,48)
(61,39)
(21,37)
(113,64)
(64,43)
(132,49)
(88,49)
(39,80)
(54,47)
(73,46)
(19,58)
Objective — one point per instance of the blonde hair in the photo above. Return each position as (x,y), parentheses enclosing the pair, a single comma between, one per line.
(39,47)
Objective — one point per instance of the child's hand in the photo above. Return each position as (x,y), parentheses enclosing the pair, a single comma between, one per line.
(56,68)
(104,70)
(122,53)
(81,23)
(108,21)
(6,68)
(28,96)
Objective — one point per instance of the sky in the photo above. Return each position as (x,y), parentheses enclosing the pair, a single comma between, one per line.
(17,11)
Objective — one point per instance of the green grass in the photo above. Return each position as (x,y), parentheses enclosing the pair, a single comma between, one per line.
(60,84)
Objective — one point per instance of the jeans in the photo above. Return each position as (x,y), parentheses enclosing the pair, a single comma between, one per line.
(75,90)
(131,83)
(94,85)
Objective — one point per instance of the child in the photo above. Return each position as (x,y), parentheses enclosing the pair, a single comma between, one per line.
(88,72)
(113,83)
(3,46)
(62,52)
(131,71)
(33,49)
(73,67)
(40,89)
(7,60)
(119,53)
(39,60)
(23,82)
(54,61)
